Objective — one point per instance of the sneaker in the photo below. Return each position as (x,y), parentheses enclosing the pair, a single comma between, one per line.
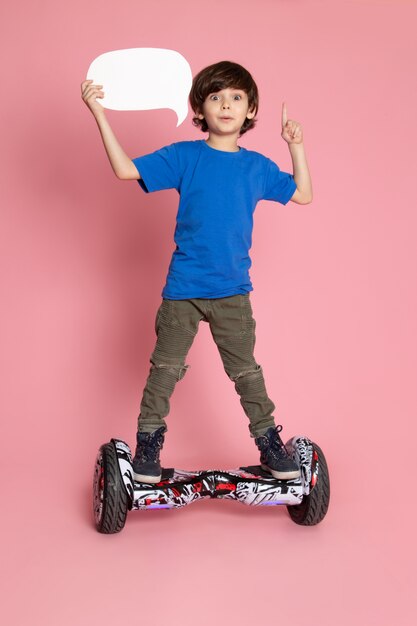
(274,456)
(146,465)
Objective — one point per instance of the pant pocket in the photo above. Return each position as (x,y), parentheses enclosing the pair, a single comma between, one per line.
(246,307)
(162,314)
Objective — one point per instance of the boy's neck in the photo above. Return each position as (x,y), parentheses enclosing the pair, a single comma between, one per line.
(227,144)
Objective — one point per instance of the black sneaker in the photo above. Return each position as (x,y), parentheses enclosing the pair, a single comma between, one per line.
(146,465)
(274,456)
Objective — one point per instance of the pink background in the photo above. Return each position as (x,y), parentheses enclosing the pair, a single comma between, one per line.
(84,259)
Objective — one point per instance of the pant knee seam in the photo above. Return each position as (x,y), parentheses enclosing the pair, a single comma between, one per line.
(179,370)
(257,370)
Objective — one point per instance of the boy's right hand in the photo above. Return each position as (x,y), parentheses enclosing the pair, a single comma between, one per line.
(89,93)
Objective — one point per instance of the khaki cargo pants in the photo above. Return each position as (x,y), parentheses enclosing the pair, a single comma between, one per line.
(233,329)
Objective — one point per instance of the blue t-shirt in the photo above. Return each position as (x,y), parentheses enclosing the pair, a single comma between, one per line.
(218,194)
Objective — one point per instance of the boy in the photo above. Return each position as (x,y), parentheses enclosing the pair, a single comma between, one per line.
(208,280)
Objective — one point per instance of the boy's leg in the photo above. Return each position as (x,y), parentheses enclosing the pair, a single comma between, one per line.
(176,325)
(233,328)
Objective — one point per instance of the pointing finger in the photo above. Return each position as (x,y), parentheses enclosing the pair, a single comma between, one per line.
(284,114)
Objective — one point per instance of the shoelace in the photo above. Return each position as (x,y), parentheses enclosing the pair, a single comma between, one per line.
(277,446)
(150,448)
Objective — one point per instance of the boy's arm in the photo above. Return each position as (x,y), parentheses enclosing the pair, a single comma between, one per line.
(304,192)
(292,133)
(122,165)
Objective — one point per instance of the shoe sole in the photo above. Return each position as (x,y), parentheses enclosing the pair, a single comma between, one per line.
(142,478)
(282,475)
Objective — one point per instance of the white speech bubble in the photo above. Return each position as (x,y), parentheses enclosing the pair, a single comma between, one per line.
(140,79)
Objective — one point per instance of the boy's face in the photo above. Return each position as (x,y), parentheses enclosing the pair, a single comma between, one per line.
(226,110)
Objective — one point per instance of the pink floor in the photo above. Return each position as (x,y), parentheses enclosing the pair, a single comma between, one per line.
(214,561)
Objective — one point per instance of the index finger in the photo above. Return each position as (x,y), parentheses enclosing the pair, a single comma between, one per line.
(284,113)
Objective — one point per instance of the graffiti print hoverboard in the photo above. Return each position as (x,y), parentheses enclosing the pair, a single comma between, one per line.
(115,491)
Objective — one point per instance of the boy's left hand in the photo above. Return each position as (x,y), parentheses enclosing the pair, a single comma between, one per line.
(291,130)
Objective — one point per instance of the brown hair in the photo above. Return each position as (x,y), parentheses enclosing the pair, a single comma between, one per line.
(221,76)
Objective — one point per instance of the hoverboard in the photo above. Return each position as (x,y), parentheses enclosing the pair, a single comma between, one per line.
(115,492)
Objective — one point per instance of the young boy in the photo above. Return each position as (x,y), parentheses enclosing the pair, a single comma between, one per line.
(208,280)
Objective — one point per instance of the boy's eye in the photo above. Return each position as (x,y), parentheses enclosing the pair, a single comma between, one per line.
(237,97)
(214,97)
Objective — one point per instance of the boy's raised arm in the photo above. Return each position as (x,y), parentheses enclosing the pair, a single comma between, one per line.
(292,133)
(122,165)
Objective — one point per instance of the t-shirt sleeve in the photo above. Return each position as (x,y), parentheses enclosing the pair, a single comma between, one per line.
(159,170)
(279,186)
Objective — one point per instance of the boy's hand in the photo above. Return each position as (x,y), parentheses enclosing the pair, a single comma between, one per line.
(89,93)
(291,130)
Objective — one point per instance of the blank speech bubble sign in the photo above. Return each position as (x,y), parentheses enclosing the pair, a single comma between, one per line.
(140,79)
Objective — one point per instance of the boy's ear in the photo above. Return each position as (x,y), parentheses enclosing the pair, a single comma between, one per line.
(199,115)
(251,114)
